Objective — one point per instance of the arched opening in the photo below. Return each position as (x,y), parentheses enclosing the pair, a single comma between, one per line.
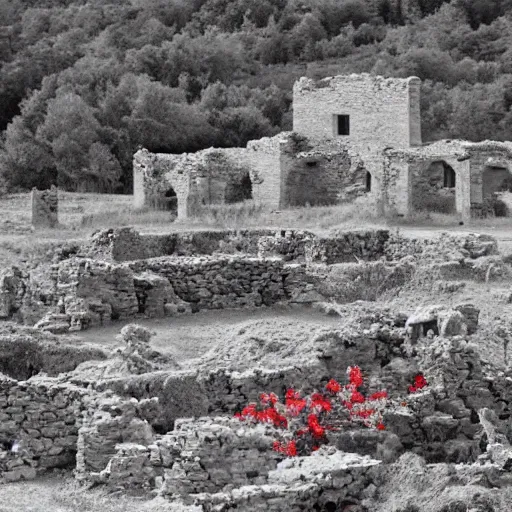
(495,179)
(239,190)
(449,176)
(433,187)
(171,200)
(497,191)
(368,181)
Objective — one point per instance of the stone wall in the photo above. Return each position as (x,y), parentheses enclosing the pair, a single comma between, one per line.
(126,244)
(223,282)
(219,462)
(154,175)
(348,246)
(383,111)
(42,418)
(325,175)
(45,208)
(206,177)
(89,292)
(428,189)
(24,352)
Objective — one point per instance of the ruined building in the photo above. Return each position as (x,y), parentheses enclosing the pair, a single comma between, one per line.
(355,138)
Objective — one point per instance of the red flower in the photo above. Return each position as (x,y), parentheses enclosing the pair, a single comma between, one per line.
(239,416)
(315,448)
(249,410)
(314,427)
(333,386)
(379,395)
(291,449)
(318,401)
(292,394)
(271,397)
(357,398)
(294,403)
(364,413)
(355,376)
(380,426)
(272,416)
(419,383)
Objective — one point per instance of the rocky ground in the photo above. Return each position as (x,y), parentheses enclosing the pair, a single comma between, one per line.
(443,309)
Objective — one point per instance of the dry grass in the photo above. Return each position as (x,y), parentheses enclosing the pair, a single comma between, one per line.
(82,214)
(61,493)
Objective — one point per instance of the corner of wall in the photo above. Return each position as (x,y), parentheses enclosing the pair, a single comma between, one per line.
(414,88)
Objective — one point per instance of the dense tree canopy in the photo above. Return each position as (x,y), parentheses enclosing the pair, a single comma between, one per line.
(83,83)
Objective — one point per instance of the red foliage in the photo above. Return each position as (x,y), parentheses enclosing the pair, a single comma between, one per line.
(419,383)
(355,376)
(333,386)
(305,418)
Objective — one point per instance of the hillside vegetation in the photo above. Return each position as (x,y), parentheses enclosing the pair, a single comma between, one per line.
(84,83)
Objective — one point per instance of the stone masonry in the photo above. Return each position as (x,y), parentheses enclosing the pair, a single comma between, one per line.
(45,207)
(355,138)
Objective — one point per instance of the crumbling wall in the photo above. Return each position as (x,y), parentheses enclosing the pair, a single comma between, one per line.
(265,157)
(24,352)
(45,207)
(154,175)
(210,176)
(126,244)
(428,188)
(223,282)
(485,156)
(383,111)
(42,418)
(347,246)
(317,179)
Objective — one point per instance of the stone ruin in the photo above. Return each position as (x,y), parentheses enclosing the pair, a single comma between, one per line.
(151,276)
(135,418)
(45,208)
(355,138)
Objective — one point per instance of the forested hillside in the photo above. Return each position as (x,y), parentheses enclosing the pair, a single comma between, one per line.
(84,83)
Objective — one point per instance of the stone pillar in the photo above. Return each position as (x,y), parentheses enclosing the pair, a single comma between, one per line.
(45,208)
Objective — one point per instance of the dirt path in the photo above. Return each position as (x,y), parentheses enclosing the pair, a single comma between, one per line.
(190,336)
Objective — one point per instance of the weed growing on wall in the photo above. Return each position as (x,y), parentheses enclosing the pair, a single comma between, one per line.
(306,420)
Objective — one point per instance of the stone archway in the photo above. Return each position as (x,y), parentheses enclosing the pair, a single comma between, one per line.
(239,190)
(496,190)
(171,200)
(433,187)
(495,179)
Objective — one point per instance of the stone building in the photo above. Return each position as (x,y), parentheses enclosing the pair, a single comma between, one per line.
(355,138)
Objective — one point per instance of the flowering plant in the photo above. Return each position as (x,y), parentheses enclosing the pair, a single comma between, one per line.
(306,420)
(419,383)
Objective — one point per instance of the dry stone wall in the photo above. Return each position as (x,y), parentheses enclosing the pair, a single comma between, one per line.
(216,283)
(126,244)
(39,425)
(348,246)
(218,461)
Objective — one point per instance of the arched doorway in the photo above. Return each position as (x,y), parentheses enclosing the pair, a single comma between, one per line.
(433,187)
(239,190)
(496,180)
(368,181)
(171,200)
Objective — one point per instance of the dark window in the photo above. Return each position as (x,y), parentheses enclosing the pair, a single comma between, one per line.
(368,182)
(449,177)
(311,164)
(343,125)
